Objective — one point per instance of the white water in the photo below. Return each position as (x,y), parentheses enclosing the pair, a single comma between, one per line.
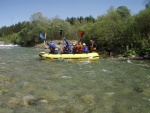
(8,45)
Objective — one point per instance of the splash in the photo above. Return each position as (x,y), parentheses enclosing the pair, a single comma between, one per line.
(8,45)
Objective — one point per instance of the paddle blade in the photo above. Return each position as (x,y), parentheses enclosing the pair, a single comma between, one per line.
(82,34)
(60,32)
(42,37)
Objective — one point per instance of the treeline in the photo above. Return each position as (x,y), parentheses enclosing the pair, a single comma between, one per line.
(27,33)
(117,30)
(80,19)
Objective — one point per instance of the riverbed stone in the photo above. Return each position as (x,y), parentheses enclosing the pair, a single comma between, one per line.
(88,98)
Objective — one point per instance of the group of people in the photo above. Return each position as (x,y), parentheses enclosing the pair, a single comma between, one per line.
(76,48)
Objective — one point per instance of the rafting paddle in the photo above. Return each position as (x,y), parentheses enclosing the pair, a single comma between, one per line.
(42,37)
(81,35)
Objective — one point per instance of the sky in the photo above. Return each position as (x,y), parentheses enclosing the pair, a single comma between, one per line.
(14,11)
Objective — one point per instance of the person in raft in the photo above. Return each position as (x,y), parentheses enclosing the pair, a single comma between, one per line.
(85,48)
(75,48)
(52,47)
(92,46)
(80,47)
(67,47)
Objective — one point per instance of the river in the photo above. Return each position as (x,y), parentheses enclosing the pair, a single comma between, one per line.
(110,85)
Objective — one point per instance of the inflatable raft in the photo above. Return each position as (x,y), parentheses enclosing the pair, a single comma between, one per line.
(78,57)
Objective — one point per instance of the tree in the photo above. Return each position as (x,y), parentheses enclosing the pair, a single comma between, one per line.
(147,5)
(37,16)
(142,21)
(123,11)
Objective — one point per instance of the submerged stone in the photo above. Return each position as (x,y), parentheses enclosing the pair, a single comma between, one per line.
(138,90)
(88,98)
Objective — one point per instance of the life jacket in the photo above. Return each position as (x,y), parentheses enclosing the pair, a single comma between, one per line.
(56,51)
(80,47)
(85,49)
(53,48)
(93,47)
(67,48)
(75,48)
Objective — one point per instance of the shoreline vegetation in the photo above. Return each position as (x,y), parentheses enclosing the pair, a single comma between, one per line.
(116,33)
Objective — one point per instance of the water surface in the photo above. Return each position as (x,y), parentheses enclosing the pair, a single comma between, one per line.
(31,85)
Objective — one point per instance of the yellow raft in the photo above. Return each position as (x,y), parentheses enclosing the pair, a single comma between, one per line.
(78,57)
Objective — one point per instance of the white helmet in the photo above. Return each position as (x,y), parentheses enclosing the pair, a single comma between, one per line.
(84,44)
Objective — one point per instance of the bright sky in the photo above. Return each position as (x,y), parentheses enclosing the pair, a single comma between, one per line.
(14,11)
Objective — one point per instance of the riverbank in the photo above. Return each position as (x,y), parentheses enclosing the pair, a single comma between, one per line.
(105,54)
(1,42)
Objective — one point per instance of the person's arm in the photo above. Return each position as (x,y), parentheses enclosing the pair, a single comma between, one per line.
(68,44)
(66,41)
(46,45)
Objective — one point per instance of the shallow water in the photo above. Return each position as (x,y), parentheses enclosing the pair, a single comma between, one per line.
(31,85)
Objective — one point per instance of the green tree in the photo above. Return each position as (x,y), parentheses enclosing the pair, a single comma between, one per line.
(142,23)
(123,11)
(147,5)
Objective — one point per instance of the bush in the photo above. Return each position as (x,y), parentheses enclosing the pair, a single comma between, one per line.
(130,52)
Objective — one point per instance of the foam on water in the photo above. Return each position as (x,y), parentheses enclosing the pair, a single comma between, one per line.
(129,61)
(8,45)
(106,71)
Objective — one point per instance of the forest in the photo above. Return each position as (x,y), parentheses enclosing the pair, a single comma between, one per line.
(117,31)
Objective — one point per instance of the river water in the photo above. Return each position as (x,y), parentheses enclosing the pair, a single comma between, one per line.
(110,85)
